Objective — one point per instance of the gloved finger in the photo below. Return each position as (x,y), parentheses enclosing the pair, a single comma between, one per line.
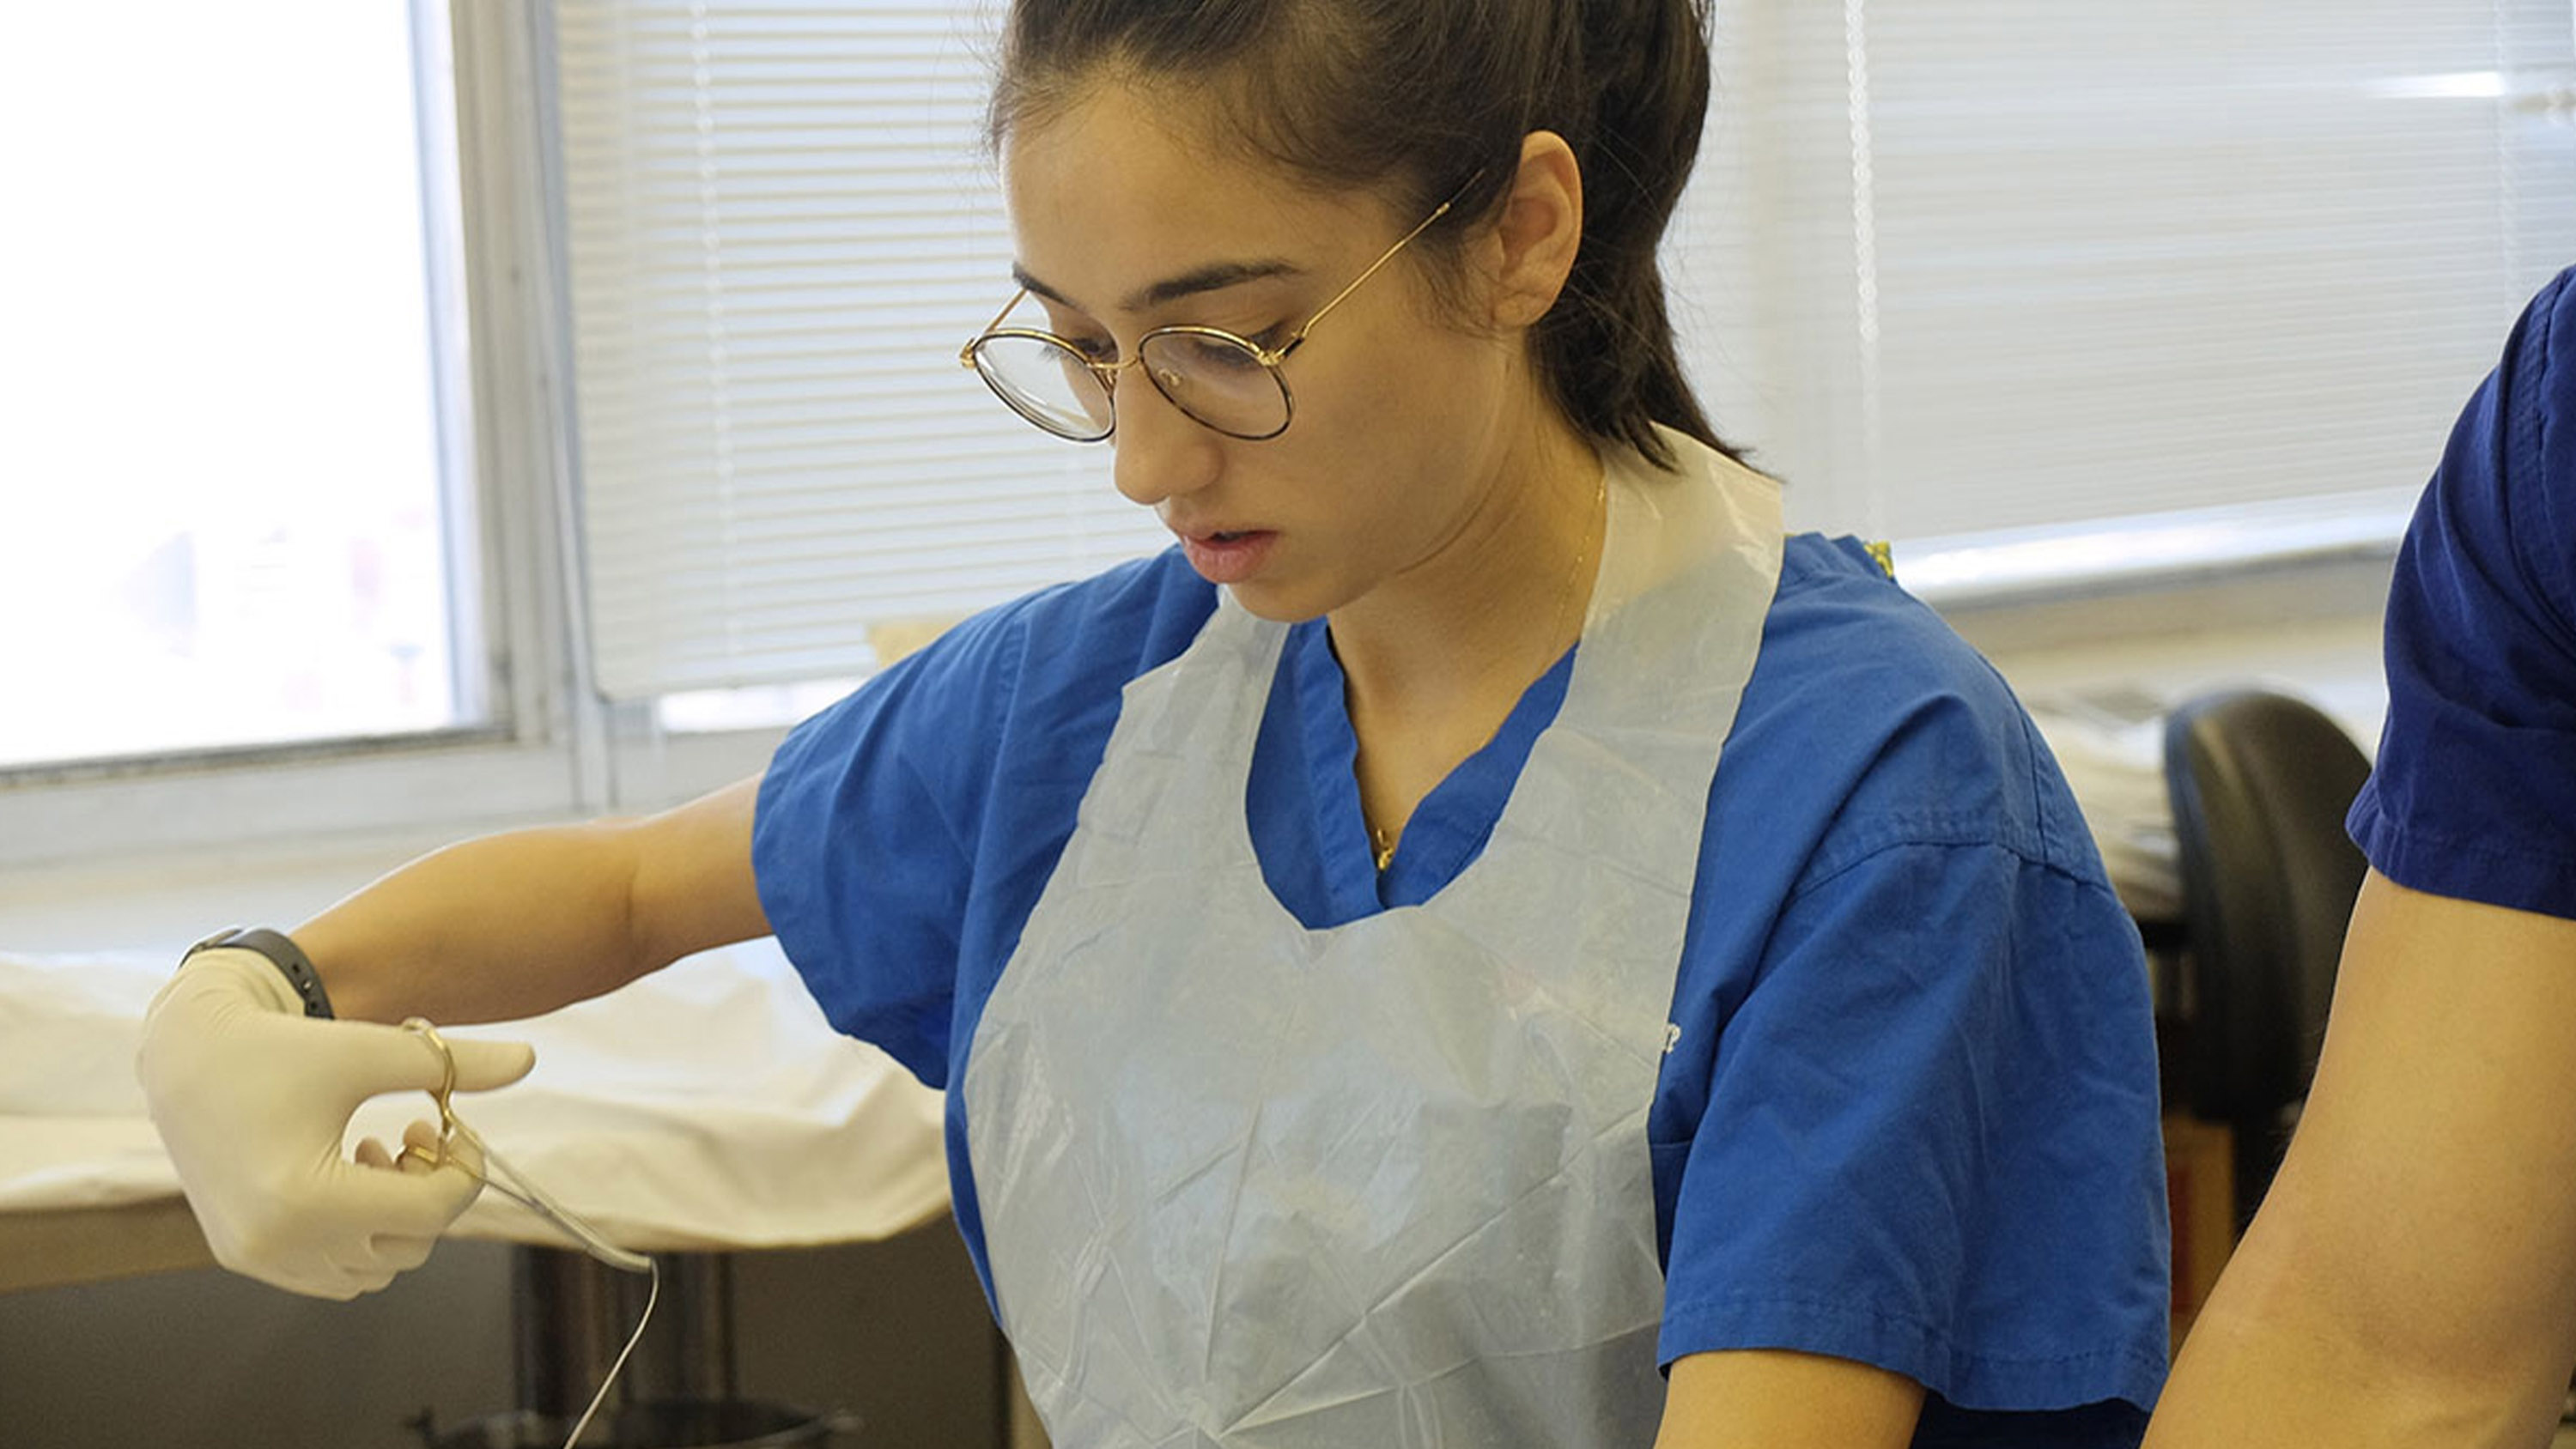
(374,1059)
(295,1256)
(484,1065)
(316,1279)
(400,1254)
(464,1151)
(365,1276)
(372,1153)
(401,1204)
(422,1151)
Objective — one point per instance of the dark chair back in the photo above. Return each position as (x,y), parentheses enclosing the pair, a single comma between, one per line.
(2260,784)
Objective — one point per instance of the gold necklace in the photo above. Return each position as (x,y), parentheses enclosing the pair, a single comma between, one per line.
(1382,840)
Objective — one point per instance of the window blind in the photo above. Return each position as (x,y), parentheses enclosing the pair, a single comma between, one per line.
(781,226)
(1953,268)
(1960,266)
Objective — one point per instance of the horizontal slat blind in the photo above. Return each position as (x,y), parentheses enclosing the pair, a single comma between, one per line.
(1955,266)
(1950,266)
(781,226)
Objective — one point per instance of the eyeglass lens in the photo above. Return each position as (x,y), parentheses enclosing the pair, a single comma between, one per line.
(1046,382)
(1215,379)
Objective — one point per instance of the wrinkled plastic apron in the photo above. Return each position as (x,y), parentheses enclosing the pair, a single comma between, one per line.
(1383,1185)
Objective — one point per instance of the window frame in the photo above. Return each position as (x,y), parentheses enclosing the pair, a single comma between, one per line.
(542,754)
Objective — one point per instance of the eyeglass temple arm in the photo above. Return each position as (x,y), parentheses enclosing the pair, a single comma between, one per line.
(966,354)
(1385,257)
(1373,268)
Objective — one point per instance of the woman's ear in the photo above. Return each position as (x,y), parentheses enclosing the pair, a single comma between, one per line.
(1541,228)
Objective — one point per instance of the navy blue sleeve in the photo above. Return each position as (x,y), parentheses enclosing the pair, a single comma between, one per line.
(2474,792)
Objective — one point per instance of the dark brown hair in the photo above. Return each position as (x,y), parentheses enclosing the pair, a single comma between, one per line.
(1414,97)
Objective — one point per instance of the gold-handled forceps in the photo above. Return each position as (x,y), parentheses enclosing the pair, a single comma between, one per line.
(479,1161)
(444,1094)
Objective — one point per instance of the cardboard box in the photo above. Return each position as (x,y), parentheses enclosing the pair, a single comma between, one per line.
(2200,1193)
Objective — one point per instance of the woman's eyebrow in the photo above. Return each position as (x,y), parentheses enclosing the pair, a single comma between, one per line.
(1216,276)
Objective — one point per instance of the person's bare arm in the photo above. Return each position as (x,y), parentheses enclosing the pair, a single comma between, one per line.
(515,924)
(2411,1278)
(1765,1399)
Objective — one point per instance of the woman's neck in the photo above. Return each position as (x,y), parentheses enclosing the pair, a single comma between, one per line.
(1436,658)
(1504,595)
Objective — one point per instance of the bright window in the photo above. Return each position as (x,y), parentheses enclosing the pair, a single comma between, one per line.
(232,465)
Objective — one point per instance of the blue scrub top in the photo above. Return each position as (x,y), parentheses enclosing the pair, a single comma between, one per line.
(2474,792)
(1911,1115)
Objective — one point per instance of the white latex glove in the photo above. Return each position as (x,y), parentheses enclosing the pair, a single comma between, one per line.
(253,1100)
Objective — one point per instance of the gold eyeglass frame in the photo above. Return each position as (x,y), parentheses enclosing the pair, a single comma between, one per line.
(1106,373)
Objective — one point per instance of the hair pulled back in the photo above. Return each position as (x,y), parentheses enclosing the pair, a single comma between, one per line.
(1413,97)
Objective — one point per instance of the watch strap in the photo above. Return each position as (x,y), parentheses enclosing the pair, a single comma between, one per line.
(284,954)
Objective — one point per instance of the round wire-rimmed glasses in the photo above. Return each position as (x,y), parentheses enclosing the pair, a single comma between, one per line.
(1222,381)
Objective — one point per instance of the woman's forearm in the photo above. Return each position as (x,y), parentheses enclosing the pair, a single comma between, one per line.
(2291,1354)
(487,930)
(2411,1278)
(511,925)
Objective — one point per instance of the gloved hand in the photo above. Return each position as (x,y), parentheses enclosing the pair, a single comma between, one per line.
(253,1098)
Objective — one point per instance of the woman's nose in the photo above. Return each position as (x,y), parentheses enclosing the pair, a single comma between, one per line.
(1161,452)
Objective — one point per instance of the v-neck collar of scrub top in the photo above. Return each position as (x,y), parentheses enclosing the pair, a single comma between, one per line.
(1449,826)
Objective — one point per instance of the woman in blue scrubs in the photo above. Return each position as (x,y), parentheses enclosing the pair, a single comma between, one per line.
(1481,943)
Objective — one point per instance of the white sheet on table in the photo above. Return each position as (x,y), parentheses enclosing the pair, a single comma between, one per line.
(708,1105)
(2110,744)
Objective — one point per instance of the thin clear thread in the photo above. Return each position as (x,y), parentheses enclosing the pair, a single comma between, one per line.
(528,1195)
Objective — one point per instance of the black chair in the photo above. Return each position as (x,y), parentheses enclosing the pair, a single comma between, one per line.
(2260,784)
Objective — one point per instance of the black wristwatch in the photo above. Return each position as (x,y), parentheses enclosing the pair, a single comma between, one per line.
(289,959)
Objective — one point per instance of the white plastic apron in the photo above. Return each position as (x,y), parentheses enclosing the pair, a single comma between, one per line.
(1384,1185)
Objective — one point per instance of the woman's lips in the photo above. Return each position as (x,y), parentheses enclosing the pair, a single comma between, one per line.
(1228,556)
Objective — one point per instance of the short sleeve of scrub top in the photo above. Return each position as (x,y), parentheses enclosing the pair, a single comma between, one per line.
(1909,1115)
(2473,794)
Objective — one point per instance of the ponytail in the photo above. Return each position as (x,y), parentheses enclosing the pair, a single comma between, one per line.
(1639,100)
